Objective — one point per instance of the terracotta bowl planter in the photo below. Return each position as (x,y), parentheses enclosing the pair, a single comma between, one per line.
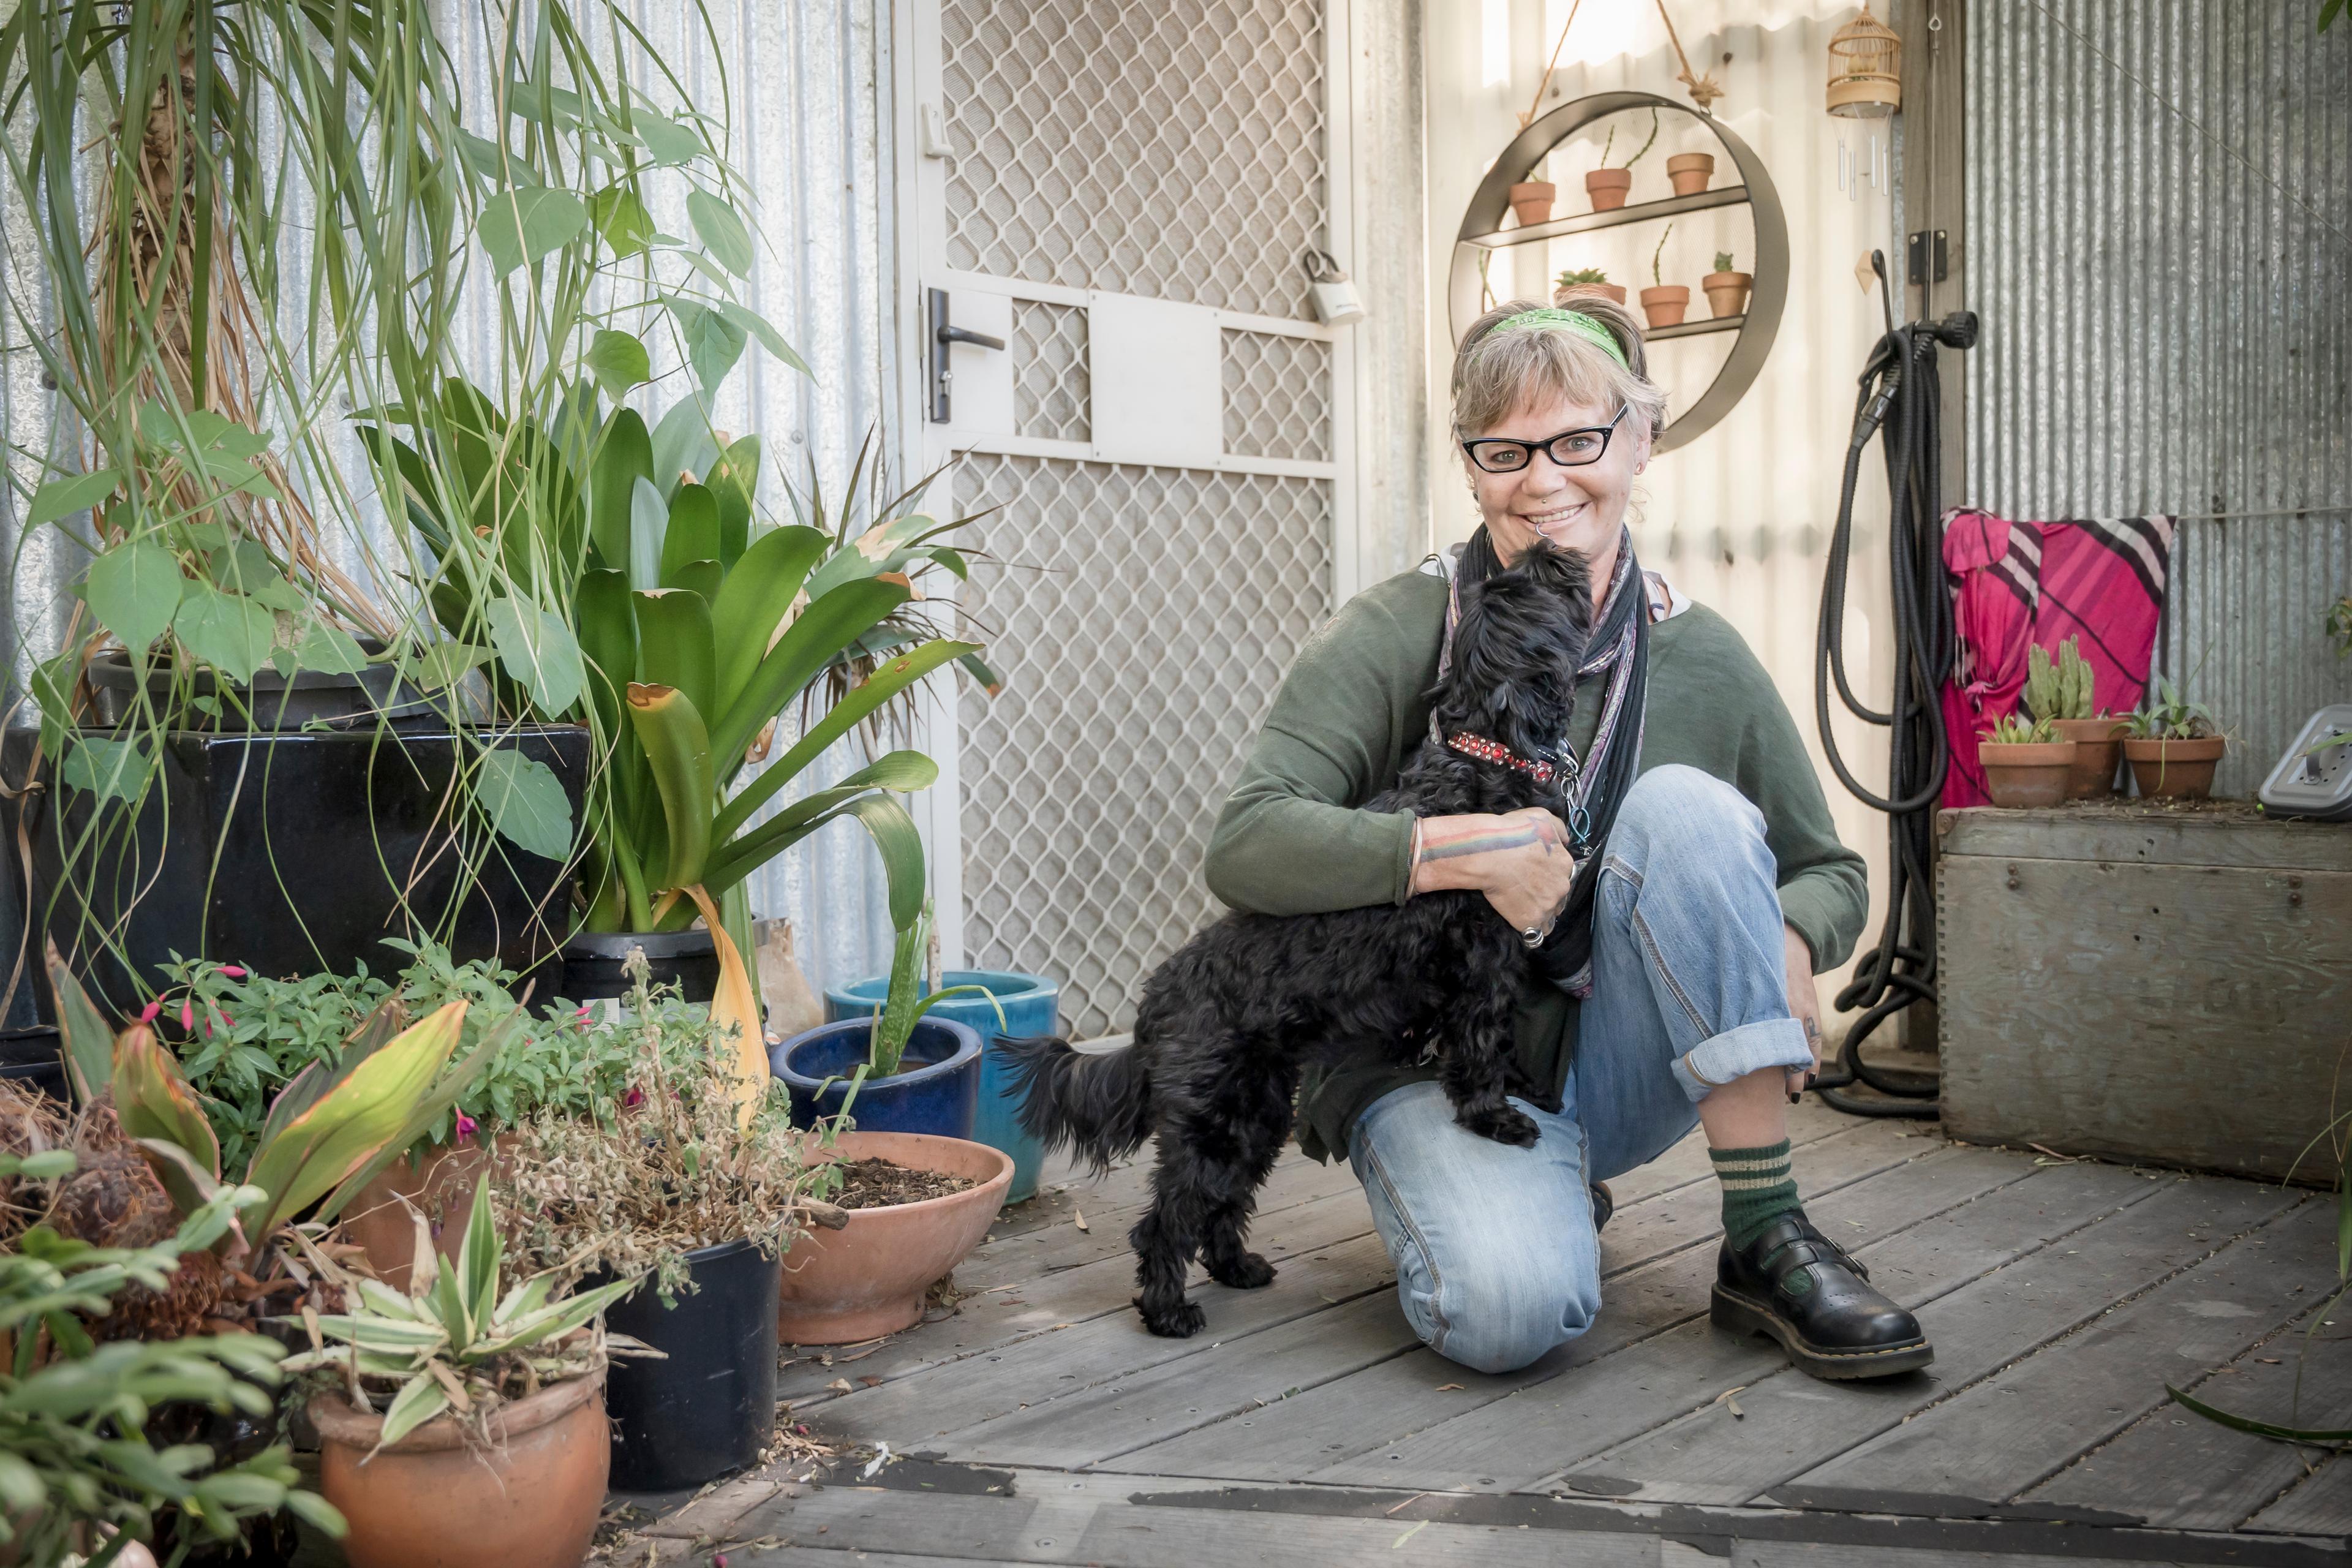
(441,1184)
(2175,770)
(2098,747)
(1607,188)
(869,1278)
(2024,775)
(1532,200)
(429,1502)
(1665,306)
(1606,291)
(1690,172)
(1726,292)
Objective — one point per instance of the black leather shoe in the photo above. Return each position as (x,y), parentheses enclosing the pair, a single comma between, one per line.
(1799,1287)
(1604,1203)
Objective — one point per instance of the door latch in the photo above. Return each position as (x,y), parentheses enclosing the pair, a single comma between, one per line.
(942,334)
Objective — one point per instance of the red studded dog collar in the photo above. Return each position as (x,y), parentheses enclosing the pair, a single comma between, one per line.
(1487,751)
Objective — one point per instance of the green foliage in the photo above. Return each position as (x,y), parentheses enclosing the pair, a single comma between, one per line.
(1656,278)
(74,1448)
(2020,729)
(1644,147)
(2338,624)
(2061,690)
(2329,10)
(2166,715)
(903,1006)
(1578,277)
(1723,261)
(458,1339)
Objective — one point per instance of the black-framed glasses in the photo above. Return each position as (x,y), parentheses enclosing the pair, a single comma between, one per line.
(1569,449)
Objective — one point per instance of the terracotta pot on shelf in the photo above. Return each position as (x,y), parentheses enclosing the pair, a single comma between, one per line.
(1690,172)
(2034,774)
(869,1278)
(530,1500)
(1532,200)
(2175,770)
(1607,188)
(2098,746)
(441,1187)
(1664,306)
(1726,292)
(1606,291)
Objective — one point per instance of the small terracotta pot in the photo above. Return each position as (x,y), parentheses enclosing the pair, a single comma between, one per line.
(430,1501)
(2031,774)
(1690,172)
(1532,200)
(869,1278)
(2098,746)
(1664,306)
(1726,292)
(2175,770)
(441,1184)
(1606,188)
(1606,291)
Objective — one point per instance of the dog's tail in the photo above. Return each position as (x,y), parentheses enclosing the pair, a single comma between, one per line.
(1097,1104)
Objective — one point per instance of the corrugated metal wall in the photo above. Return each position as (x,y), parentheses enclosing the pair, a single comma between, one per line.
(806,86)
(2159,198)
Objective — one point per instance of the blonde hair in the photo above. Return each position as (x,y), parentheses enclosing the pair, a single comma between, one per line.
(1496,373)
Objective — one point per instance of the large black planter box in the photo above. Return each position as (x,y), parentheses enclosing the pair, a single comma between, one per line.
(288,853)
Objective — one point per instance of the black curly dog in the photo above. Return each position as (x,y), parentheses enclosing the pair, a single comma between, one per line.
(1228,1023)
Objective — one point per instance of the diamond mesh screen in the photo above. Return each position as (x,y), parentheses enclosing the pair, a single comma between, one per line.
(1171,149)
(1278,397)
(1138,664)
(1050,389)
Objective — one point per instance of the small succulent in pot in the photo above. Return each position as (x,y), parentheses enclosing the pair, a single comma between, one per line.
(2024,762)
(1663,303)
(2173,744)
(1585,281)
(1608,187)
(1727,289)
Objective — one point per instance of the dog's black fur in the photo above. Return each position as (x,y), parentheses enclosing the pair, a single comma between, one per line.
(1227,1023)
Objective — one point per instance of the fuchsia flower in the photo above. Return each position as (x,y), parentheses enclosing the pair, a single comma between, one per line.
(188,1015)
(147,1014)
(466,1125)
(233,971)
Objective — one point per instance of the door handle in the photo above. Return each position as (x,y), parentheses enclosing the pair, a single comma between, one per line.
(943,333)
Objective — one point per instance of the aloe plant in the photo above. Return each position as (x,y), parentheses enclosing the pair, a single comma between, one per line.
(2165,714)
(2020,729)
(904,1004)
(456,1340)
(2060,689)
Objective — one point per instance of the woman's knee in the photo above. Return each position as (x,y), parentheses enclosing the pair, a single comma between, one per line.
(1689,810)
(1498,1315)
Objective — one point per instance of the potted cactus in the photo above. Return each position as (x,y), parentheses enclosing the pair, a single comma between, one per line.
(1607,187)
(2060,690)
(1585,281)
(2024,762)
(2173,744)
(1727,291)
(1663,303)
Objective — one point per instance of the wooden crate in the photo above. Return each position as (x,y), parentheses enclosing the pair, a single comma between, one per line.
(2143,983)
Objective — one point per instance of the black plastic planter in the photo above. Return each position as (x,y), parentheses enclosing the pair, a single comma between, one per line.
(30,1057)
(289,853)
(710,1407)
(594,963)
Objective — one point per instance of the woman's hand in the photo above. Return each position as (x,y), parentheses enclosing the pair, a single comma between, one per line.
(1804,1002)
(1520,861)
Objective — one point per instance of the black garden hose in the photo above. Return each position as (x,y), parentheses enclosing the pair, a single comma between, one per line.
(1900,393)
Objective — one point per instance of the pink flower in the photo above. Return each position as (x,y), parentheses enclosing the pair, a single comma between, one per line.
(227,1022)
(188,1015)
(147,1014)
(466,1125)
(233,971)
(635,1097)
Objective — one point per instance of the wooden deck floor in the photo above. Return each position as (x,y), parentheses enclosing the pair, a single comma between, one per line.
(1038,1422)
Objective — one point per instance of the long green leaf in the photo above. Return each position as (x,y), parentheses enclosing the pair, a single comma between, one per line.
(735,479)
(677,750)
(757,596)
(693,531)
(2324,1437)
(892,830)
(153,1099)
(624,456)
(676,645)
(828,626)
(88,1041)
(419,1401)
(853,710)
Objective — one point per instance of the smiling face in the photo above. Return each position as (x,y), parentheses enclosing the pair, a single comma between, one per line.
(1580,507)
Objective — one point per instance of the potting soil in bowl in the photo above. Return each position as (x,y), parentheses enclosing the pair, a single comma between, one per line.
(1030,1004)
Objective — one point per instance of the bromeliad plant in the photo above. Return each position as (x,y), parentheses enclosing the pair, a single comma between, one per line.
(2020,729)
(460,1340)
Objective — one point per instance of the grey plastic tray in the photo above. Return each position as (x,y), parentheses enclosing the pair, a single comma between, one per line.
(2308,783)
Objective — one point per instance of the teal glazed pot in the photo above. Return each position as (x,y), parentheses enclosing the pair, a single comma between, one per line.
(1030,1003)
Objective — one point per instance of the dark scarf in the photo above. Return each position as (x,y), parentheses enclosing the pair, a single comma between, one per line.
(1596,783)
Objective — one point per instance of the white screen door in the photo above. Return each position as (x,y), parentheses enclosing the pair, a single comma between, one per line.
(1121,194)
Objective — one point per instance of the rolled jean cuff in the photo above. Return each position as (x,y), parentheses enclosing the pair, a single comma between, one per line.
(1734,1054)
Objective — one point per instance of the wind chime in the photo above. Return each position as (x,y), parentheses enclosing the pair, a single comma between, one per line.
(1866,83)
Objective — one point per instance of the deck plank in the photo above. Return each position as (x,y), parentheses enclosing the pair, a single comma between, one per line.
(2006,1434)
(1618,1397)
(2320,1505)
(2177,1469)
(1879,1181)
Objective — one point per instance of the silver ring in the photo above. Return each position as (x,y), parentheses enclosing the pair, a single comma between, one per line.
(1532,937)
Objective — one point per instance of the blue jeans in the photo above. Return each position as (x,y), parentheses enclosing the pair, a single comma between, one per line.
(1495,1257)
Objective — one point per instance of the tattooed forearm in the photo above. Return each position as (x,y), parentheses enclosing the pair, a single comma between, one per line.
(1448,839)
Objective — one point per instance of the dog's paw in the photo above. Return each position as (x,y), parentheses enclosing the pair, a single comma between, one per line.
(1504,1124)
(1246,1271)
(1180,1322)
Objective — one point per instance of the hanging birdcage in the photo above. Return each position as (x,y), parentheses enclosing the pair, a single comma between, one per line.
(1865,69)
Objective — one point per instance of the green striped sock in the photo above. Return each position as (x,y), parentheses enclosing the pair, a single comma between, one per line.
(1756,1188)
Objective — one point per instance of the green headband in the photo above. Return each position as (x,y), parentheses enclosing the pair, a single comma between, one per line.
(1576,322)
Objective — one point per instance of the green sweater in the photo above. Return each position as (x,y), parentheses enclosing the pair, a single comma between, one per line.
(1292,840)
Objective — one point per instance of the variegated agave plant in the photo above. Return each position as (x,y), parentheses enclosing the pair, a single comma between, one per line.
(454,1341)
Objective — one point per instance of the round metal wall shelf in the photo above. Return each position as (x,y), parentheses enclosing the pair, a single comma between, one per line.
(1483,234)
